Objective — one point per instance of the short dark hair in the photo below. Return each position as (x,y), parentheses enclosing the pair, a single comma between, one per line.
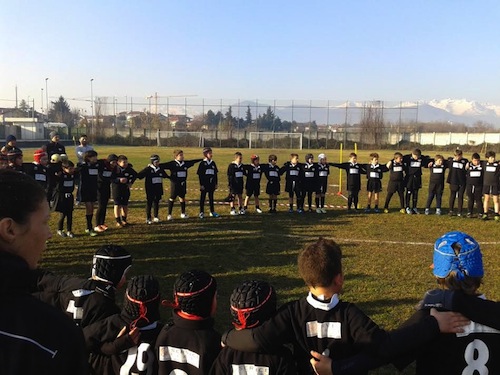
(490,154)
(89,154)
(272,157)
(122,157)
(353,155)
(177,152)
(20,195)
(438,156)
(237,153)
(320,262)
(374,155)
(476,156)
(458,152)
(417,152)
(294,156)
(398,155)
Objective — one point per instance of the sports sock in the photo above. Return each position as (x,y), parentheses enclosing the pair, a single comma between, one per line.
(183,207)
(89,221)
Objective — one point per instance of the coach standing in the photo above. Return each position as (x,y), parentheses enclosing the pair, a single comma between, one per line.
(54,147)
(35,338)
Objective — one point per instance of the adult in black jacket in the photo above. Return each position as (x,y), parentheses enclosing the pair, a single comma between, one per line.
(35,338)
(54,147)
(107,168)
(87,301)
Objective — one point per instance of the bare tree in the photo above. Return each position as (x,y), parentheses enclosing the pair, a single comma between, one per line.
(372,123)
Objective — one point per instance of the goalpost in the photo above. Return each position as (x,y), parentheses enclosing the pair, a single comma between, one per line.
(275,140)
(180,138)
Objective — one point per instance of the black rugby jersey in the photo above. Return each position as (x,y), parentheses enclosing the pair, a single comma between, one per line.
(336,328)
(396,171)
(179,169)
(153,179)
(187,345)
(475,175)
(235,173)
(491,173)
(457,174)
(38,172)
(207,173)
(353,171)
(254,175)
(437,173)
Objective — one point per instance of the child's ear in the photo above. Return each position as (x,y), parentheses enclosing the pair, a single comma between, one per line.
(338,279)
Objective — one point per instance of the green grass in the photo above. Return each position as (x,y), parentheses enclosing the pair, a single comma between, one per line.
(386,256)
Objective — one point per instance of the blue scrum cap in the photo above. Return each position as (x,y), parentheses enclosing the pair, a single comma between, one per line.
(457,251)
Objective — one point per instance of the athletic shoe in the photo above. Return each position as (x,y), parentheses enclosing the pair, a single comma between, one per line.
(409,211)
(259,211)
(403,211)
(233,212)
(91,232)
(214,214)
(290,210)
(415,211)
(451,213)
(156,220)
(169,218)
(99,229)
(427,211)
(367,210)
(318,211)
(386,210)
(184,216)
(242,211)
(201,215)
(459,214)
(70,234)
(300,211)
(484,217)
(119,224)
(310,209)
(104,226)
(61,233)
(469,215)
(323,211)
(497,218)
(438,211)
(376,210)
(149,222)
(124,223)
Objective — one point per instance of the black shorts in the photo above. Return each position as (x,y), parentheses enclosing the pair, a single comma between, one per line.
(273,188)
(122,200)
(414,183)
(88,195)
(309,187)
(436,187)
(321,188)
(252,190)
(178,190)
(64,203)
(237,190)
(374,186)
(292,186)
(490,189)
(395,186)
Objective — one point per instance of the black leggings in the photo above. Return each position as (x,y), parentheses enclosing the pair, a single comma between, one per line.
(457,191)
(102,198)
(352,198)
(69,221)
(411,196)
(152,202)
(203,196)
(474,195)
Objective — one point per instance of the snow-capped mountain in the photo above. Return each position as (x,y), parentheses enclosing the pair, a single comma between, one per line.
(464,107)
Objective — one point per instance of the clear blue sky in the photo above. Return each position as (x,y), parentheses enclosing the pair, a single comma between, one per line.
(357,50)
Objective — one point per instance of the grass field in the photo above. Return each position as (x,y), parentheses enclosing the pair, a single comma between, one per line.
(386,256)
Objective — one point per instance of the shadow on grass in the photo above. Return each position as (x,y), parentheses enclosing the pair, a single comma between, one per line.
(383,305)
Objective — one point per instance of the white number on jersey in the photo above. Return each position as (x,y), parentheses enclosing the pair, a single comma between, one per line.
(476,356)
(143,358)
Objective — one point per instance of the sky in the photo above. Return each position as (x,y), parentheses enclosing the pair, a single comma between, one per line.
(338,50)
